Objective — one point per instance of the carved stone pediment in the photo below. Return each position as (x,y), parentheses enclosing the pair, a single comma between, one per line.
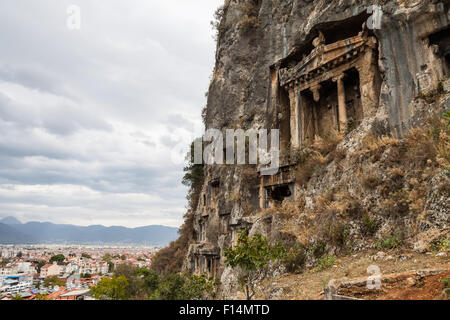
(326,57)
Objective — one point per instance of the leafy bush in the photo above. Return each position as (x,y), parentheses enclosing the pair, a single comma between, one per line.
(252,257)
(337,234)
(185,287)
(318,249)
(111,289)
(391,242)
(57,258)
(326,262)
(52,281)
(441,245)
(131,283)
(369,226)
(218,23)
(86,255)
(200,287)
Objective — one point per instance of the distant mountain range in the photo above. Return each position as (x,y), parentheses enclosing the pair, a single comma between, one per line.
(12,231)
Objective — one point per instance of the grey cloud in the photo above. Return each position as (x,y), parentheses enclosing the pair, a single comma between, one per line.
(98,108)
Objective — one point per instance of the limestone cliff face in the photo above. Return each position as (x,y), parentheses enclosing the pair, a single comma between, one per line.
(308,68)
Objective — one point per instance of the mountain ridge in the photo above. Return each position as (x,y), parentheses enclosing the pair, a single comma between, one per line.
(13,232)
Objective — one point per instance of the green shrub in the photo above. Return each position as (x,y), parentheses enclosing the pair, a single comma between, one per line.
(318,249)
(369,226)
(391,242)
(339,234)
(441,245)
(252,256)
(336,233)
(446,282)
(326,262)
(185,287)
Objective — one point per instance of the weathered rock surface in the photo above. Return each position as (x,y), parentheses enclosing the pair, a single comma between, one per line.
(396,81)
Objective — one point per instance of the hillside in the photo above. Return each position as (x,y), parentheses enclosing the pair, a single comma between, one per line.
(361,101)
(10,235)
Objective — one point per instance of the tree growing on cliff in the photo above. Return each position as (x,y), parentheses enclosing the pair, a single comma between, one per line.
(252,257)
(170,259)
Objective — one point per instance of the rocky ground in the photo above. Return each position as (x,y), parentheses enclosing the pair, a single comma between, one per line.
(310,284)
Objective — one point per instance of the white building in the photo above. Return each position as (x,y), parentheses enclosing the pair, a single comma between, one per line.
(15,286)
(51,270)
(26,267)
(8,271)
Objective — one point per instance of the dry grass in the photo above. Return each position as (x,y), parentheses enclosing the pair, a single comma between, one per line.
(323,151)
(421,148)
(306,169)
(250,20)
(328,143)
(291,209)
(235,195)
(371,180)
(309,285)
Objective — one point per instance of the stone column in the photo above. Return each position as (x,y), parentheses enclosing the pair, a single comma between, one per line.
(274,94)
(302,108)
(316,121)
(316,92)
(295,116)
(342,107)
(316,96)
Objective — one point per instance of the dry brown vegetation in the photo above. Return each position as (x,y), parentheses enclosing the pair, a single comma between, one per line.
(323,151)
(250,19)
(393,172)
(309,284)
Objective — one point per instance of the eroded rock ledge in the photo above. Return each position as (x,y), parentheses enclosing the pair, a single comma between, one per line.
(314,69)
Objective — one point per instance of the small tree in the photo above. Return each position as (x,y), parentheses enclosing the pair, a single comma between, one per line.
(111,289)
(53,281)
(4,262)
(57,258)
(86,255)
(252,257)
(184,287)
(200,287)
(39,265)
(107,257)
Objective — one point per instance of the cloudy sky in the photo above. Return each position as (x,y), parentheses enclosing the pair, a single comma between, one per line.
(93,120)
